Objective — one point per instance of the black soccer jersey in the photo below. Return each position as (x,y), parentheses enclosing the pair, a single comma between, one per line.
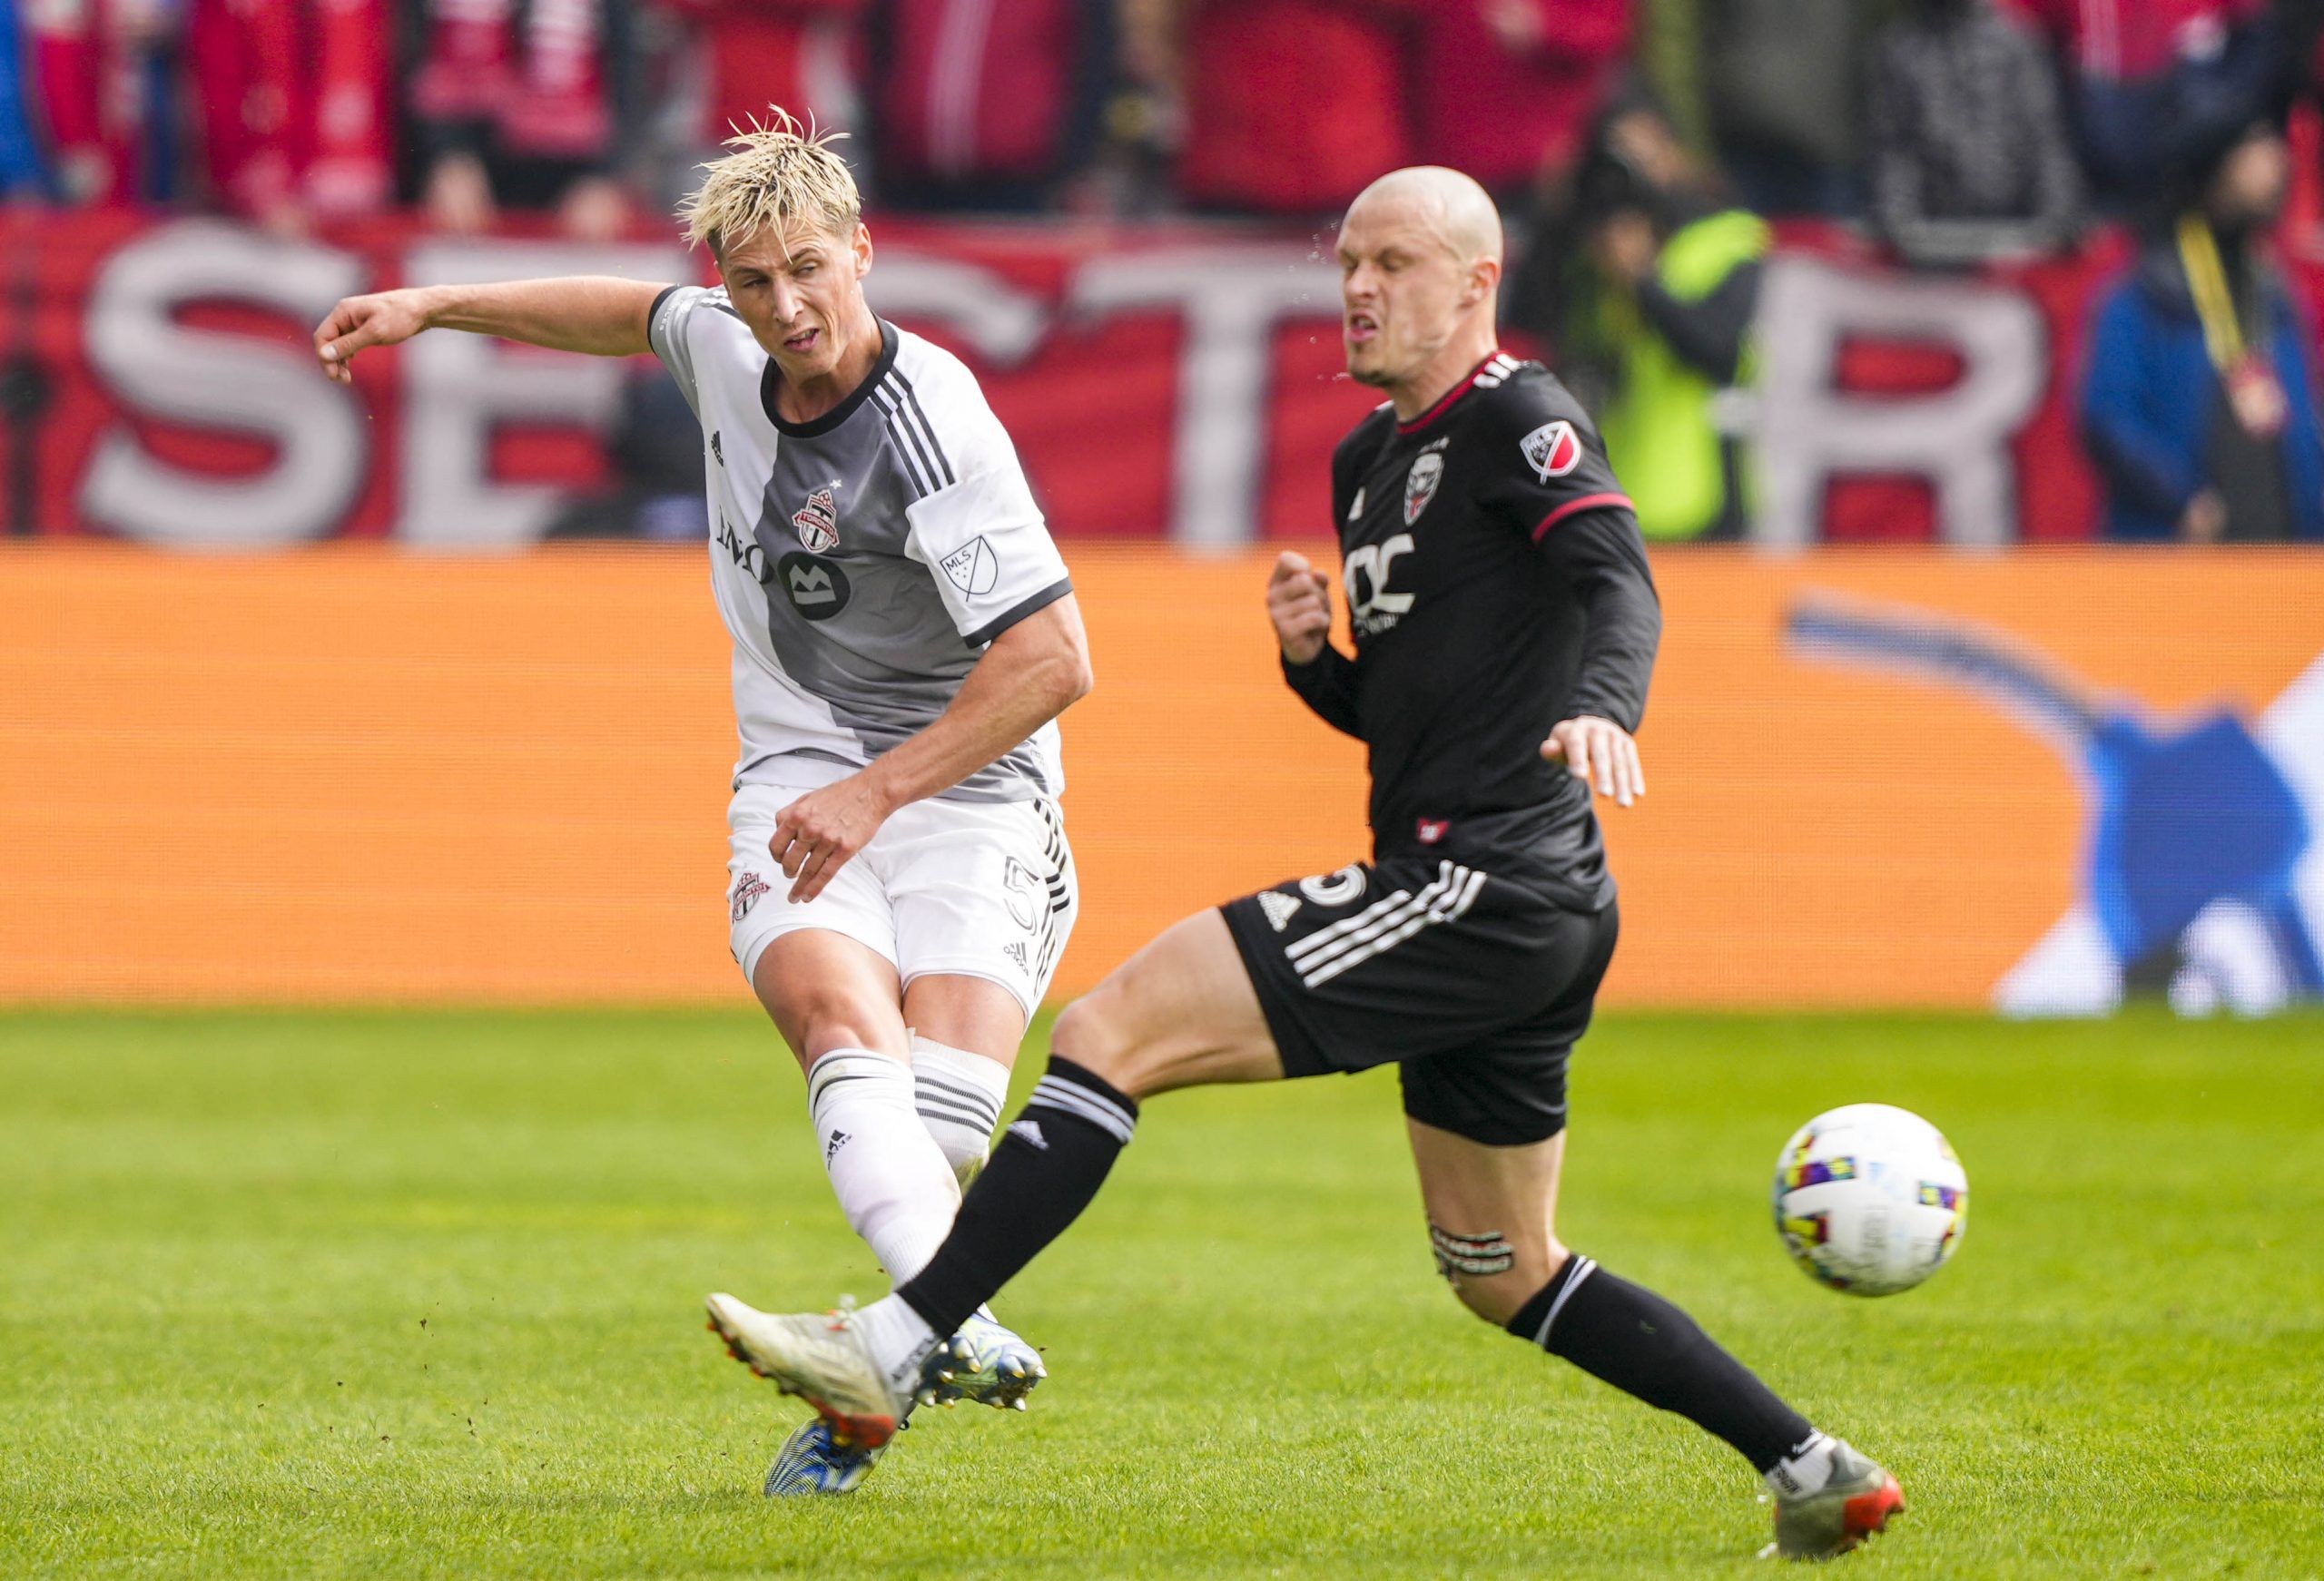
(1496,584)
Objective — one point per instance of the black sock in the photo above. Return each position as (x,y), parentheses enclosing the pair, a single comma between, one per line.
(1049,1166)
(1641,1344)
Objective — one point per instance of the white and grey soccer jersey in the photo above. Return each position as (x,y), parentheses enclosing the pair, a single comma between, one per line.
(864,560)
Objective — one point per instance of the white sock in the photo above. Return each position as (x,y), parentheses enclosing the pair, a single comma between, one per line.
(894,1184)
(899,1339)
(959,1096)
(1804,1471)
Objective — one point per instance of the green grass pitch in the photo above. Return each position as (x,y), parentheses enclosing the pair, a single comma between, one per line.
(418,1295)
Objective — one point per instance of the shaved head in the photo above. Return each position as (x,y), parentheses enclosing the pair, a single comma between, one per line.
(1449,205)
(1420,272)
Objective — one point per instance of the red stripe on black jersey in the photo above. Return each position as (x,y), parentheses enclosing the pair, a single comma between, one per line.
(1587,502)
(1450,396)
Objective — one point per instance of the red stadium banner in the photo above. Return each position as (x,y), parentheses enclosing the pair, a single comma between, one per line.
(1177,381)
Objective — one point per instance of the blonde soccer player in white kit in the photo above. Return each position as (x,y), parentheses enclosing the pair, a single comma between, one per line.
(905,636)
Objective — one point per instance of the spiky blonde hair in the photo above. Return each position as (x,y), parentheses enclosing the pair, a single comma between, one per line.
(780,171)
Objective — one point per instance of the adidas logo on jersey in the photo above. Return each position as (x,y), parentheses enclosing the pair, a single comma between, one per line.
(717,449)
(1279,908)
(1030,1131)
(1016,952)
(831,1149)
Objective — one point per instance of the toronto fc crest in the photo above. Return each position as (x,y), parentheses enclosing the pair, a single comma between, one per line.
(818,522)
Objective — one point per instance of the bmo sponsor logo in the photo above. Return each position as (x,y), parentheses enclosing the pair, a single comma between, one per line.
(817,587)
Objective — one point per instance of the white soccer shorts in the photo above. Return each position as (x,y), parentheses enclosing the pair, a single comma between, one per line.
(980,890)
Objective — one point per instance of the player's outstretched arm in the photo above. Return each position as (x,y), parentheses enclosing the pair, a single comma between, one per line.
(1032,673)
(598,314)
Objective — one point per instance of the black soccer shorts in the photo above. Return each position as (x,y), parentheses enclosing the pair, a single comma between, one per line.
(1476,984)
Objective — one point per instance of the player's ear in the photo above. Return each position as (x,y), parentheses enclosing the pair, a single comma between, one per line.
(861,247)
(1484,281)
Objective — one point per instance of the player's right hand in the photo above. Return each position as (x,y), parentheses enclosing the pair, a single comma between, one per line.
(381,318)
(1299,602)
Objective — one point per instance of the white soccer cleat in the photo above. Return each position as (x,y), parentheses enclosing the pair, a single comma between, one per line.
(985,1362)
(820,1358)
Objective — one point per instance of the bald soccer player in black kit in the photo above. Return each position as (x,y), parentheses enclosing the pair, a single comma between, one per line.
(1505,626)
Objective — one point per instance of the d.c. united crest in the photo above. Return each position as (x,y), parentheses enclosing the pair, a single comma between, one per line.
(1419,483)
(818,523)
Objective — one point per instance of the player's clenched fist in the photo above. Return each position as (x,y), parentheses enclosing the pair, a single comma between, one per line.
(380,319)
(1299,602)
(1600,752)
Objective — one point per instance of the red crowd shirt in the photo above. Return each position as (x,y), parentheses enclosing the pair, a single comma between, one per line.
(798,54)
(2125,40)
(294,102)
(1500,109)
(1291,106)
(977,88)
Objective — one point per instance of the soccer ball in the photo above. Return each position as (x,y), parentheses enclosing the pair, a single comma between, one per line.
(1870,1199)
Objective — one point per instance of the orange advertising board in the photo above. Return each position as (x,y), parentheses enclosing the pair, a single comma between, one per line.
(1875,777)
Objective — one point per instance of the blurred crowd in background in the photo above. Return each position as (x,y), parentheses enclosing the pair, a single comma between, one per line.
(1641,148)
(1957,129)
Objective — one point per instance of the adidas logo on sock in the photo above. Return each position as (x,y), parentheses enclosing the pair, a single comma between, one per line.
(830,1148)
(1030,1130)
